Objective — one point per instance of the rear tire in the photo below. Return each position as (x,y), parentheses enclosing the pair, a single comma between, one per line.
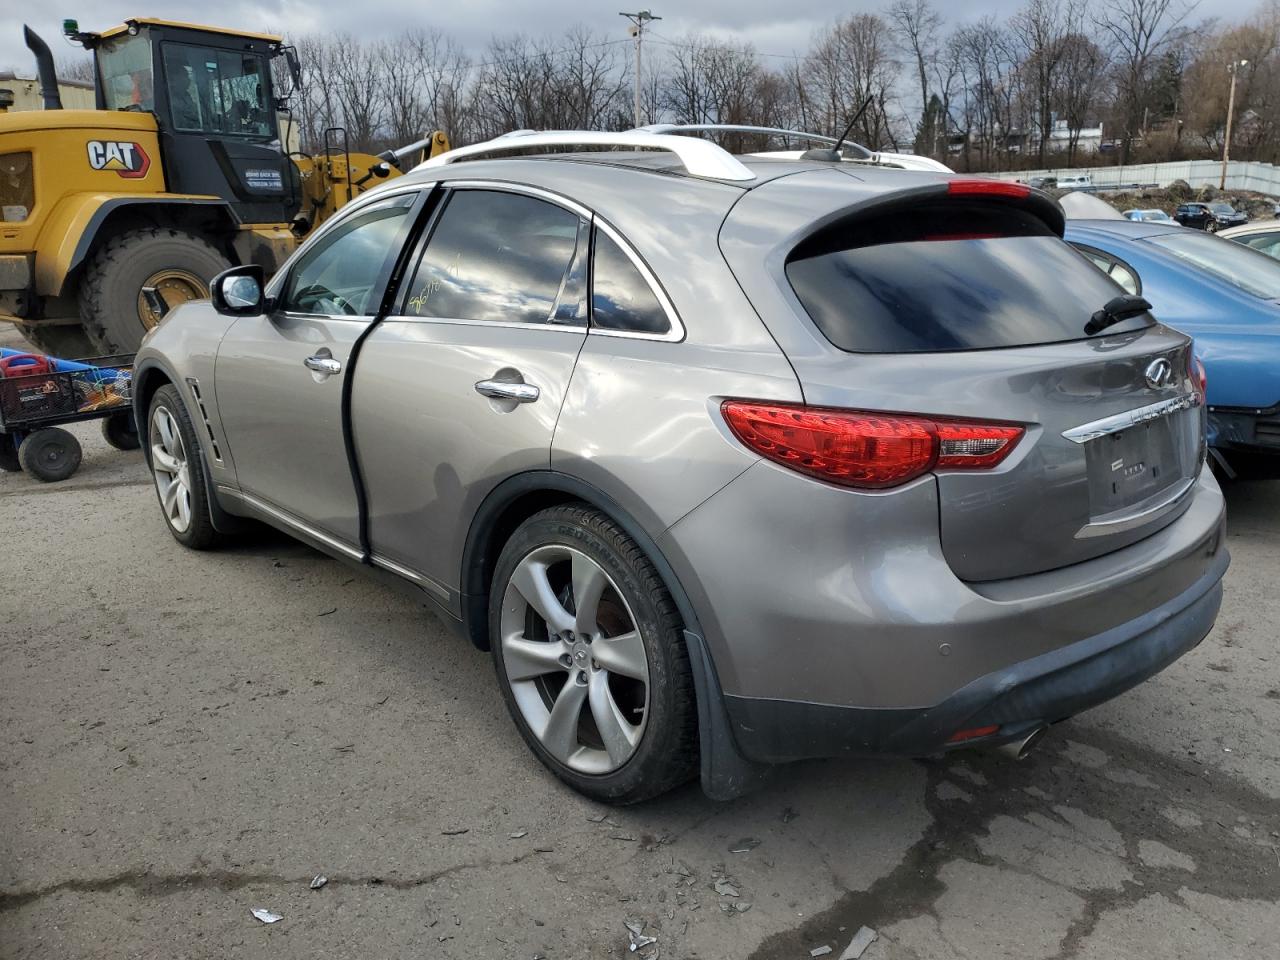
(119,431)
(115,276)
(624,662)
(178,473)
(50,455)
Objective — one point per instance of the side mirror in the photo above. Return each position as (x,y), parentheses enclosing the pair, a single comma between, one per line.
(238,292)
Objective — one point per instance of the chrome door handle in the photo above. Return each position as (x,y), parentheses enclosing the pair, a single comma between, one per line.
(322,364)
(502,390)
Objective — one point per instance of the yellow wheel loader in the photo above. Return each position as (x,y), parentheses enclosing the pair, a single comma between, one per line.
(110,216)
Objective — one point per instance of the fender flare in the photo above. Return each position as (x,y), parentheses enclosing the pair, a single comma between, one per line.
(74,224)
(725,772)
(144,374)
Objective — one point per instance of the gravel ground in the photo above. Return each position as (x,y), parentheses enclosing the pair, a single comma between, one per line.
(187,737)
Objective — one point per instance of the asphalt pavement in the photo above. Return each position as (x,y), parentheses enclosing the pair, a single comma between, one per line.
(189,737)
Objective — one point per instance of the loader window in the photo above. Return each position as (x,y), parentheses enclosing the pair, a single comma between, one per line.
(218,91)
(125,66)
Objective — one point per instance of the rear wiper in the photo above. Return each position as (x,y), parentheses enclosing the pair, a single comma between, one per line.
(1115,310)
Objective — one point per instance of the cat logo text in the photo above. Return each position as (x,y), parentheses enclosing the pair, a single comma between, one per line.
(125,158)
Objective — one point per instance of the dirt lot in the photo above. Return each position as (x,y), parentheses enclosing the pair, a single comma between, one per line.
(187,737)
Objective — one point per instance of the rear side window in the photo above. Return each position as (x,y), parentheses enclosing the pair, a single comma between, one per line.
(621,298)
(947,276)
(498,257)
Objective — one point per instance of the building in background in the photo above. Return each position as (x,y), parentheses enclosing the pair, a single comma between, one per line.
(76,94)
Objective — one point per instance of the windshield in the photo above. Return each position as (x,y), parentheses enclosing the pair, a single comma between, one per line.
(218,91)
(124,64)
(1238,265)
(1222,208)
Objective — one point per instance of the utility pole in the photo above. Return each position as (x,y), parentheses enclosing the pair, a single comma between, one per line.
(1231,109)
(638,21)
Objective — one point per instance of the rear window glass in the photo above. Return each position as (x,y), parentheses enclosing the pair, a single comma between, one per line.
(954,276)
(1246,269)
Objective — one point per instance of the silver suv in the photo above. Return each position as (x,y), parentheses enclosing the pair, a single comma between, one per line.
(729,461)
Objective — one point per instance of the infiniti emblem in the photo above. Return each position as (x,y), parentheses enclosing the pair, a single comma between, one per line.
(1159,373)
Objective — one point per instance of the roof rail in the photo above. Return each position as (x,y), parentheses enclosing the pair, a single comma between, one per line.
(700,158)
(668,128)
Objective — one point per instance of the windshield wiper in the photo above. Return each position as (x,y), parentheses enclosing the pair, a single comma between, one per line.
(1115,310)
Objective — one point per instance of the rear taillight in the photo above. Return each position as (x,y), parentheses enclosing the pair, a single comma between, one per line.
(857,448)
(1199,380)
(971,187)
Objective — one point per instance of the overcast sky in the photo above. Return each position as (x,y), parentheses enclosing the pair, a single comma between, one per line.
(773,26)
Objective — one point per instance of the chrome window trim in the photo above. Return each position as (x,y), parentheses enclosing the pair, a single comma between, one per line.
(1129,418)
(350,210)
(496,324)
(677,331)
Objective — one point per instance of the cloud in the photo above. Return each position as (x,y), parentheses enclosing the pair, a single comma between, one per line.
(471,23)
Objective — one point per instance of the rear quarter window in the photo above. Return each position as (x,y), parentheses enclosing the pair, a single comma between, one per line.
(948,276)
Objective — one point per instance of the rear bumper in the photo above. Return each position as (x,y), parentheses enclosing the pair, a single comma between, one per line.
(1256,431)
(1017,698)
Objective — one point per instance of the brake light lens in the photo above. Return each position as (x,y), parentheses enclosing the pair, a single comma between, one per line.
(865,449)
(973,733)
(971,187)
(1199,379)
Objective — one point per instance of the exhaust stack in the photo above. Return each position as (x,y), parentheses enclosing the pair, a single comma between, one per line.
(44,69)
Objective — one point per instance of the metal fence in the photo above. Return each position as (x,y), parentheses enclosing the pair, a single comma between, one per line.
(1241,175)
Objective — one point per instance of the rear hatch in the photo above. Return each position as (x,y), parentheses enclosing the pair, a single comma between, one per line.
(965,305)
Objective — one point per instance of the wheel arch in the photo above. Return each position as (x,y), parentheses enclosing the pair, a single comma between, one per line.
(725,772)
(514,501)
(81,224)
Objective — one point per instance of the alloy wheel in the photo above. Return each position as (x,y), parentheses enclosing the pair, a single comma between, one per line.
(575,659)
(171,470)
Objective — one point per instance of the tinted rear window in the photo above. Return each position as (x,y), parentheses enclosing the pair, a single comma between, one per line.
(953,276)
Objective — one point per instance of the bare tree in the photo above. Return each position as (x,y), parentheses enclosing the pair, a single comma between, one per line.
(916,25)
(1038,31)
(1137,30)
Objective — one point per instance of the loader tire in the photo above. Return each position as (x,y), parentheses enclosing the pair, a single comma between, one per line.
(67,340)
(177,263)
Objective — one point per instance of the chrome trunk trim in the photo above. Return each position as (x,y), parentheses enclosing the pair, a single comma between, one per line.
(1123,421)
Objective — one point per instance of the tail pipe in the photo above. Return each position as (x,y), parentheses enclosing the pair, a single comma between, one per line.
(1019,749)
(44,68)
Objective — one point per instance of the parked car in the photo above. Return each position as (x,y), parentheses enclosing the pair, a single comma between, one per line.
(1077,181)
(1209,216)
(1225,296)
(1044,183)
(729,461)
(1149,216)
(1263,236)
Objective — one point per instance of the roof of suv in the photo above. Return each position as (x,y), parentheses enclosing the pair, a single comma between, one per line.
(653,162)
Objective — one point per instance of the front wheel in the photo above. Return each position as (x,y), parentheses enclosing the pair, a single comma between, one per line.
(175,466)
(590,657)
(9,461)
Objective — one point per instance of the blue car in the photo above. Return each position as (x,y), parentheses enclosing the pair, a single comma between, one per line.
(1227,297)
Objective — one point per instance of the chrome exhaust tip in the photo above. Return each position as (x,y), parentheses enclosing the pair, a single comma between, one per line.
(1019,749)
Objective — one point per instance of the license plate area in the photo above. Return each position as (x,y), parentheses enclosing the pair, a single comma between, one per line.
(1129,467)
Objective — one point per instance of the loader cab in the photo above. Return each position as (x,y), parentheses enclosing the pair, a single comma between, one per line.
(215,105)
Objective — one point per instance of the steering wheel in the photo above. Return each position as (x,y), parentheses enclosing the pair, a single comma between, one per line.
(319,295)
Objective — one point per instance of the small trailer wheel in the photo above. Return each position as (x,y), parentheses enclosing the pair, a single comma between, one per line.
(119,431)
(9,454)
(50,454)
